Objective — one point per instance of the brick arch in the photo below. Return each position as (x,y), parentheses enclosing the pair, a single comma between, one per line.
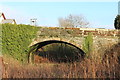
(45,42)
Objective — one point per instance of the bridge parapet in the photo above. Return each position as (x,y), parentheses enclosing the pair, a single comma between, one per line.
(79,31)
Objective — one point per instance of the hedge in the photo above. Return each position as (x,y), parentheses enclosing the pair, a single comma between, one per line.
(16,39)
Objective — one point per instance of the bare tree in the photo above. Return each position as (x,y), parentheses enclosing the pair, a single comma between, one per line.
(73,21)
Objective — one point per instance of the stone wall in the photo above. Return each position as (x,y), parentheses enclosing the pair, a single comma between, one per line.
(102,38)
(95,31)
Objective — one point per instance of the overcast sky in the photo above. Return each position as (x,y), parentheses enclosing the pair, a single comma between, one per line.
(99,14)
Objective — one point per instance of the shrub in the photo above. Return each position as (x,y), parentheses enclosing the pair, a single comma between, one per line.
(16,39)
(87,45)
(117,22)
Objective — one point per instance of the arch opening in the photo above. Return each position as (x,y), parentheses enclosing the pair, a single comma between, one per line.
(55,51)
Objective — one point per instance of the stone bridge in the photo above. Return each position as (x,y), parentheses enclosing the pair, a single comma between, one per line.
(102,38)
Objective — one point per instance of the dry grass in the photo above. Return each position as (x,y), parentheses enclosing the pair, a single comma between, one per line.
(108,67)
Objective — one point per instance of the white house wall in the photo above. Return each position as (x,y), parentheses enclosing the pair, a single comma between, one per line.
(1,18)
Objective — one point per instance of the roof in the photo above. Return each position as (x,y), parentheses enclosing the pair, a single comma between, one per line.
(8,21)
(2,14)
